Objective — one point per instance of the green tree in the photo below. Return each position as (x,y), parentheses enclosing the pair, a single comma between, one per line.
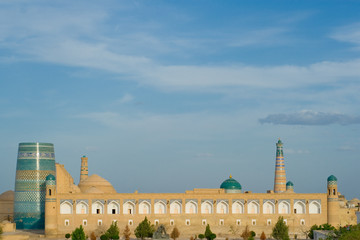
(280,230)
(104,237)
(127,232)
(175,233)
(209,235)
(324,226)
(113,231)
(67,236)
(351,233)
(144,229)
(201,236)
(246,233)
(78,234)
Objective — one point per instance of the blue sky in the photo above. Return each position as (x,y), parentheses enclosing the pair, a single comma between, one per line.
(166,96)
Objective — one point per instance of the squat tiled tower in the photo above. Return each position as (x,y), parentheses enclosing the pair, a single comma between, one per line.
(34,163)
(280,175)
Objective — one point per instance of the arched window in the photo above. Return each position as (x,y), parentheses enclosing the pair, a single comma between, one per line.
(222,208)
(206,207)
(97,208)
(82,208)
(128,208)
(113,208)
(237,207)
(175,207)
(314,207)
(299,208)
(191,207)
(66,208)
(284,207)
(160,208)
(268,208)
(144,207)
(253,207)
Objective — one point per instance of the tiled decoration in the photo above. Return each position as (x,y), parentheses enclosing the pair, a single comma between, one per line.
(35,162)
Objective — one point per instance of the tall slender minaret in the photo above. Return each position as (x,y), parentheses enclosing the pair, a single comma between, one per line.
(332,201)
(84,168)
(280,175)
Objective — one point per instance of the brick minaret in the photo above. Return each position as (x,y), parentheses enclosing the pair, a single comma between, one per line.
(84,168)
(280,175)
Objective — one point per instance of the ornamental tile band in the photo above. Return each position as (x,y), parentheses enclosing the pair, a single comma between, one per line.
(35,162)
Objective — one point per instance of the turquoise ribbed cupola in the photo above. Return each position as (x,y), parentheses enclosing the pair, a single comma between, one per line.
(231,185)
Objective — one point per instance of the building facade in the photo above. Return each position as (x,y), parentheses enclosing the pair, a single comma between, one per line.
(95,204)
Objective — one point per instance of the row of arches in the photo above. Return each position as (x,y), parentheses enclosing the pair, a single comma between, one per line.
(191,207)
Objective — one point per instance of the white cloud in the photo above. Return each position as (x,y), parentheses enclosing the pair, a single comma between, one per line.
(78,38)
(350,34)
(126,98)
(307,117)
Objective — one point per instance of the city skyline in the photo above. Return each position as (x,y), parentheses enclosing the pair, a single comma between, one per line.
(177,96)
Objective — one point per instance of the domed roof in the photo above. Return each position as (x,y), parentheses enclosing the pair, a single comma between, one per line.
(50,177)
(93,190)
(289,183)
(97,182)
(355,200)
(332,178)
(7,196)
(230,184)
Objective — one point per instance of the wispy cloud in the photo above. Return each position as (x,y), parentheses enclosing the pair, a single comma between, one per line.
(307,117)
(297,151)
(126,98)
(349,33)
(345,148)
(83,39)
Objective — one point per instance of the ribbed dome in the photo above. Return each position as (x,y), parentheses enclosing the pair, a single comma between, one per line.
(230,184)
(50,177)
(93,190)
(98,182)
(332,178)
(289,183)
(7,196)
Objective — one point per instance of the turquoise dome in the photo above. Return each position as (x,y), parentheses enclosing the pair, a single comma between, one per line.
(332,178)
(289,183)
(50,177)
(230,184)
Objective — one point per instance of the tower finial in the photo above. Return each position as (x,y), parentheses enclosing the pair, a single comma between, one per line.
(230,176)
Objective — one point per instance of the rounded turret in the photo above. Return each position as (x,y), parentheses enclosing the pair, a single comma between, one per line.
(289,186)
(50,206)
(333,201)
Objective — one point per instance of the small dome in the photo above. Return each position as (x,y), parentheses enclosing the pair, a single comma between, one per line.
(230,184)
(50,177)
(7,196)
(289,184)
(331,178)
(98,182)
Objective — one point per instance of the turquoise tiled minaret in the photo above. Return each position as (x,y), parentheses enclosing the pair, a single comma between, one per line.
(34,163)
(280,175)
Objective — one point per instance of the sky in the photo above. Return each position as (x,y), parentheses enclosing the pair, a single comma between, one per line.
(167,96)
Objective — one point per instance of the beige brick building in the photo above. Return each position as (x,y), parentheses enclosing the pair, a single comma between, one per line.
(95,204)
